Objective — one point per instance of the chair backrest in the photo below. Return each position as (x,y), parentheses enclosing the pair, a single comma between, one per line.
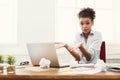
(103,52)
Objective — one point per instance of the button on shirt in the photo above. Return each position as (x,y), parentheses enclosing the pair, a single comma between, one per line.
(92,46)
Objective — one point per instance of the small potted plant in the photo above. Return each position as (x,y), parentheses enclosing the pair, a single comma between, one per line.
(11,61)
(1,63)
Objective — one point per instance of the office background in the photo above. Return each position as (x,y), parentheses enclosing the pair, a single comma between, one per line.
(26,21)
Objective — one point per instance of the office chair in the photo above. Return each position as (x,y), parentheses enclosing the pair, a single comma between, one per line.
(103,52)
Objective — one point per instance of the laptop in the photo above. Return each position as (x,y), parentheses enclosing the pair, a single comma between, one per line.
(44,50)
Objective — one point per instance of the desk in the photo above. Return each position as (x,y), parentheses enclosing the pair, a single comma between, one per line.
(54,74)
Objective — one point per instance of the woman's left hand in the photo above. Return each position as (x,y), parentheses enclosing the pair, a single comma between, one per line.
(76,46)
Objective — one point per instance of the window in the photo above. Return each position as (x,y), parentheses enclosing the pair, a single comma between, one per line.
(8,21)
(67,22)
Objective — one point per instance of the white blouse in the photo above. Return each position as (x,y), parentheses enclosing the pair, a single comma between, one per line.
(93,46)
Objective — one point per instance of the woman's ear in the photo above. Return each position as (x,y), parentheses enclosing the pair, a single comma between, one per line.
(92,22)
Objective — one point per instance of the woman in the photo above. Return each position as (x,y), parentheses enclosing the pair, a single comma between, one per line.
(88,42)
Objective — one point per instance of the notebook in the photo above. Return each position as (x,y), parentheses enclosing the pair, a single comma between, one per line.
(44,50)
(113,67)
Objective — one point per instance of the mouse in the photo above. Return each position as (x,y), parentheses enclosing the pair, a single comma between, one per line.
(24,63)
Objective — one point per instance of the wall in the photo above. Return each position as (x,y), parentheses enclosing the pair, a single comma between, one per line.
(116,18)
(36,21)
(113,50)
(8,21)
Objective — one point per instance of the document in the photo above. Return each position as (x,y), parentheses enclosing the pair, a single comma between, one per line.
(81,70)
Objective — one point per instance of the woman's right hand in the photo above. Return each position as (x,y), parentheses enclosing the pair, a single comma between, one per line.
(59,44)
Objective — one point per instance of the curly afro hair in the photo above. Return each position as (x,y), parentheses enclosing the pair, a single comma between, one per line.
(87,12)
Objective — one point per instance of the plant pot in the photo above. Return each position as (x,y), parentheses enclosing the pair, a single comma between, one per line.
(11,69)
(1,68)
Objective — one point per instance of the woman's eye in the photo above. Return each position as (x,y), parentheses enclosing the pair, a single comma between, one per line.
(81,23)
(87,23)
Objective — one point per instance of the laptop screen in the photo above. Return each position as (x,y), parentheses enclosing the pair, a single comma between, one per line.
(43,50)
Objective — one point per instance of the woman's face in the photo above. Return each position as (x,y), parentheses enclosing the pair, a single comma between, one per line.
(86,25)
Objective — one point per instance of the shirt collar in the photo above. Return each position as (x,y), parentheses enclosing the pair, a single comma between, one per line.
(91,33)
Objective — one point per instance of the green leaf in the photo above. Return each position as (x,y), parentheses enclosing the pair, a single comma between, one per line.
(10,59)
(1,58)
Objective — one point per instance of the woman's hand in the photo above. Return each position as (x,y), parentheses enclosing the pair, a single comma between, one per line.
(59,44)
(76,46)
